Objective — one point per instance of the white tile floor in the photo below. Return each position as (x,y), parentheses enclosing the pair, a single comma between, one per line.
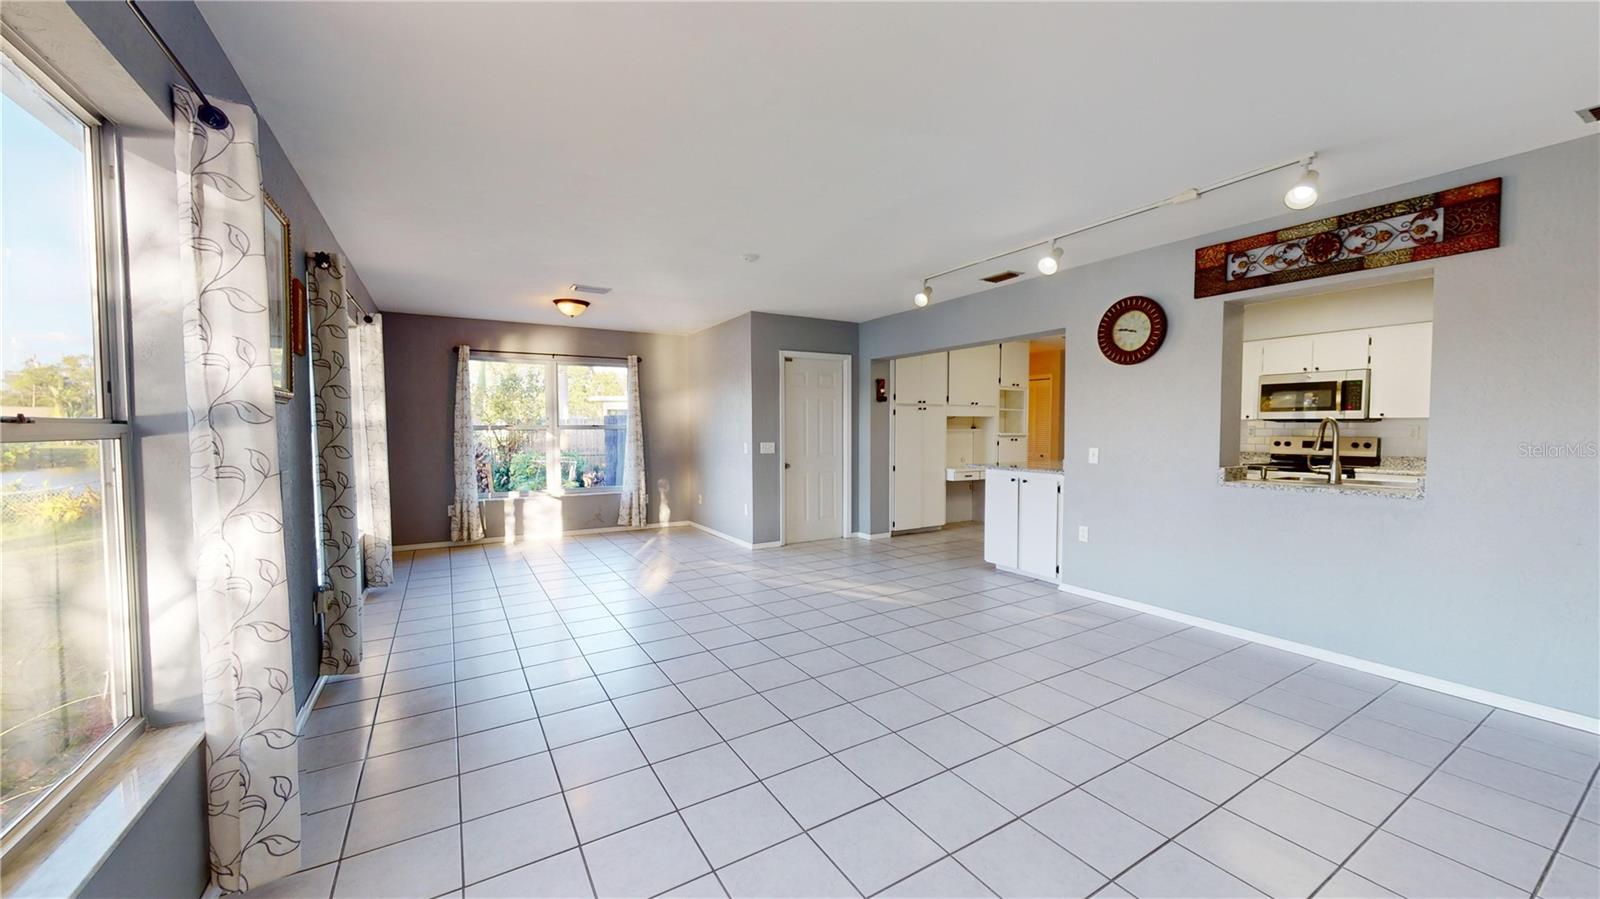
(660,713)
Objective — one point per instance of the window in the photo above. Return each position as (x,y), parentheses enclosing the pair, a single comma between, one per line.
(535,416)
(64,600)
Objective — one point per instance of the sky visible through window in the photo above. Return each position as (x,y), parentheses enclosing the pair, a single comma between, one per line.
(46,280)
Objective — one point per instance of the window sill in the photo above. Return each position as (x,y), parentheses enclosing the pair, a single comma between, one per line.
(532,494)
(61,857)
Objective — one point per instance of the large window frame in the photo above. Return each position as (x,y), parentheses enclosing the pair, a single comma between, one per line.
(110,429)
(554,426)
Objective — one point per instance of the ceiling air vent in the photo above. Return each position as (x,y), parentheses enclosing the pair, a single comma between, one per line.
(1002,277)
(1591,115)
(588,288)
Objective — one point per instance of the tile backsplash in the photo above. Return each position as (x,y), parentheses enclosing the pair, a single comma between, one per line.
(1400,436)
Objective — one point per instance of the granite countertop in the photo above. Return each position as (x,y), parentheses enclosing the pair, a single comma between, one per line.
(1046,468)
(1235,476)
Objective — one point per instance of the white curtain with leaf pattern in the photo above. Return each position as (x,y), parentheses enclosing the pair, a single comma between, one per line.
(635,499)
(372,458)
(251,749)
(466,512)
(336,469)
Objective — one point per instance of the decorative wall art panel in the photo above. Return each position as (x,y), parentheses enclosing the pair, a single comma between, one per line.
(1460,220)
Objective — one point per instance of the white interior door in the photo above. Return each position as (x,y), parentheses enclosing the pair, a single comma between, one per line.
(814,451)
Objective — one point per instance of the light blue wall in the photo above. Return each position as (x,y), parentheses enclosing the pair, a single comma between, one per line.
(1491,581)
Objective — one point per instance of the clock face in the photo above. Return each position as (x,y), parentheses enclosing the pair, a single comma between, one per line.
(1132,330)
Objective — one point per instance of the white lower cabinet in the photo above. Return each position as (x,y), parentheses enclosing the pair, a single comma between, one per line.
(1022,522)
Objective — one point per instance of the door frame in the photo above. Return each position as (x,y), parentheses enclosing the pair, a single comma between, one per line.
(846,412)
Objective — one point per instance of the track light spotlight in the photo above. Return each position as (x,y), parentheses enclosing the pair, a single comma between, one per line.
(1303,193)
(924,296)
(1050,262)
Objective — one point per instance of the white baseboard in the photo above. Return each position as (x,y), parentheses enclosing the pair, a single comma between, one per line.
(746,544)
(310,703)
(1425,681)
(490,541)
(863,535)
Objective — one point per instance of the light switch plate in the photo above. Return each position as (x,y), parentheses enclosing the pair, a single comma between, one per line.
(768,449)
(1083,533)
(1094,455)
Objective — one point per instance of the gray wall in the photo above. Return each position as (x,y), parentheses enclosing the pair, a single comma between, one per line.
(1490,581)
(420,381)
(160,426)
(164,855)
(770,334)
(722,427)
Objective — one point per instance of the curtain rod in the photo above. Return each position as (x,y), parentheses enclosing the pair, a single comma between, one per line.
(209,115)
(457,350)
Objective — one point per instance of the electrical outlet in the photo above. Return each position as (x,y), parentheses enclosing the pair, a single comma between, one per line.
(747,449)
(768,449)
(1094,455)
(699,499)
(747,510)
(1083,533)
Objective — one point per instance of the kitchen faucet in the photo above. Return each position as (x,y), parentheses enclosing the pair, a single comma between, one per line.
(1335,470)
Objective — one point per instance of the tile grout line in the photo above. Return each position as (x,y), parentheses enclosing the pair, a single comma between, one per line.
(1566,831)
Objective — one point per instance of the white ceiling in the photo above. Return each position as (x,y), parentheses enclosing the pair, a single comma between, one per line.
(476,158)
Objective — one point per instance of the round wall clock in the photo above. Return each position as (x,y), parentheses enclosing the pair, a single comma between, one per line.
(1132,330)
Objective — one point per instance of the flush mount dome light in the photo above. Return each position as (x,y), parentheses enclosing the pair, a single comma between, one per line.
(1303,193)
(1050,262)
(572,307)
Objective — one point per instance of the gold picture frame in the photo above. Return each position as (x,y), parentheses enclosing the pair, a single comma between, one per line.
(275,245)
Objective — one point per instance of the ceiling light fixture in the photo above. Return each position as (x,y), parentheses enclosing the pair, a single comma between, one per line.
(1050,262)
(1303,193)
(571,307)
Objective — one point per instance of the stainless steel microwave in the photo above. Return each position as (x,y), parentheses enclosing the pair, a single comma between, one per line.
(1315,395)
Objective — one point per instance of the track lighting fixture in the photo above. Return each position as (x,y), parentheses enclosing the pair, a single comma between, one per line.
(1303,193)
(1050,262)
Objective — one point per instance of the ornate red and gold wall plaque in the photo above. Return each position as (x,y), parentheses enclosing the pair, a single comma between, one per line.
(1460,220)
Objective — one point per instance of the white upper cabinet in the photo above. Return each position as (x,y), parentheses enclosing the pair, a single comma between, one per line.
(1250,380)
(920,379)
(1014,364)
(1336,350)
(1330,351)
(1402,370)
(975,376)
(1285,354)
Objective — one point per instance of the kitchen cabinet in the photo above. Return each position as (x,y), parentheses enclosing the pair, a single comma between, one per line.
(918,456)
(1329,351)
(1250,380)
(920,379)
(1338,350)
(1402,370)
(974,375)
(1285,354)
(1012,450)
(1014,364)
(1022,522)
(1000,517)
